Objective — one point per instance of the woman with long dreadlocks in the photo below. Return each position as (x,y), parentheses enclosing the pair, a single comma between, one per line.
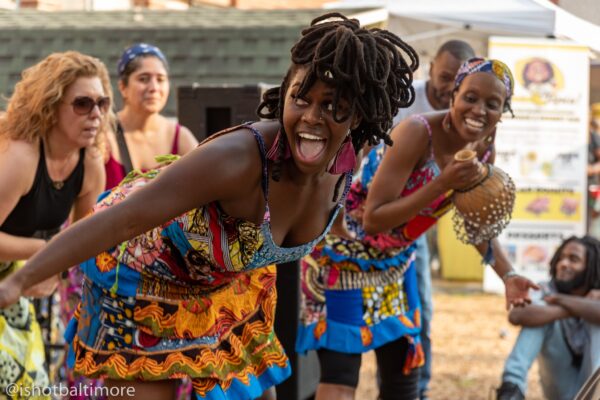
(359,283)
(178,283)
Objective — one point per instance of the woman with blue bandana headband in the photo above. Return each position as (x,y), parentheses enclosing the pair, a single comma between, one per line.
(359,283)
(142,133)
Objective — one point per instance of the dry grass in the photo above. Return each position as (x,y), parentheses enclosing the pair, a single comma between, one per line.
(471,339)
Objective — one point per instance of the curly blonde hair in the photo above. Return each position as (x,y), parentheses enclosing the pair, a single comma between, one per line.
(32,110)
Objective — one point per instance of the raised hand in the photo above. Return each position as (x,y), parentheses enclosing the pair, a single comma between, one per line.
(516,290)
(461,174)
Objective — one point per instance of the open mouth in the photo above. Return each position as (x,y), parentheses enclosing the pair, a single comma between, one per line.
(310,146)
(474,124)
(90,131)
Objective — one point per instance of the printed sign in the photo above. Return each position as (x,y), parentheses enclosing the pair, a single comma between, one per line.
(544,149)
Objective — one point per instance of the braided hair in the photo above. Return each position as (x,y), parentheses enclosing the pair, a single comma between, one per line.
(366,67)
(592,260)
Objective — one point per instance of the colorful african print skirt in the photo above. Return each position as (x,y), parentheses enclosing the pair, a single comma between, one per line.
(70,290)
(352,302)
(149,320)
(129,336)
(22,358)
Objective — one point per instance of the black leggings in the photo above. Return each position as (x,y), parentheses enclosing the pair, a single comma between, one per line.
(343,369)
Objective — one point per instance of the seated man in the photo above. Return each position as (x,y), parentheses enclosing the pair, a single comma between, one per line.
(561,328)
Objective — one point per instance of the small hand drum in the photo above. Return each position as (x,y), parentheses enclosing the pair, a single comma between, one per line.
(483,209)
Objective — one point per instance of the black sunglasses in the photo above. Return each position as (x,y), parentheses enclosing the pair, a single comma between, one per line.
(84,105)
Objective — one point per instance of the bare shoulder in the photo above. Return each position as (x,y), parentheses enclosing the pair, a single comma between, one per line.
(226,167)
(231,161)
(187,140)
(411,135)
(19,154)
(184,132)
(93,159)
(18,162)
(19,148)
(94,175)
(241,140)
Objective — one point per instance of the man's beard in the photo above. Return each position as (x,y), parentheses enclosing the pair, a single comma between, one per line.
(567,287)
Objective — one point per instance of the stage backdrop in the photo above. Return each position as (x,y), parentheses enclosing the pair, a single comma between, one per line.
(544,149)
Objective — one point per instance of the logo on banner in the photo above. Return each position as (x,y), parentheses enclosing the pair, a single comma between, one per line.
(540,77)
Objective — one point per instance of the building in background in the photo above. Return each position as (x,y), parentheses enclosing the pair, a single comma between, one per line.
(204,45)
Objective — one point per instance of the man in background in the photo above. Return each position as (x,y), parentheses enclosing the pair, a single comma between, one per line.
(561,328)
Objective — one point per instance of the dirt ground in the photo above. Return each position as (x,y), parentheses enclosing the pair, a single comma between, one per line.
(471,339)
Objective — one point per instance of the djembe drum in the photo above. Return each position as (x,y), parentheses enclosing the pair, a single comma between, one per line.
(483,209)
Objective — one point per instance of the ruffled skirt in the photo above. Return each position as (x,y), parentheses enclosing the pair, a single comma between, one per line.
(223,342)
(355,299)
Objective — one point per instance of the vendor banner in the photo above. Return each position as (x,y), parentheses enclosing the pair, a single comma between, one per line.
(544,149)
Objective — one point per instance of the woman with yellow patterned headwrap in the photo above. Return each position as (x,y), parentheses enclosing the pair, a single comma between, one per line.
(359,284)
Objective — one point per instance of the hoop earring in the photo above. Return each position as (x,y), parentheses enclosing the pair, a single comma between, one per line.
(491,137)
(280,149)
(447,122)
(345,158)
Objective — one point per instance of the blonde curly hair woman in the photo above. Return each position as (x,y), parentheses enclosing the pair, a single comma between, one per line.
(50,166)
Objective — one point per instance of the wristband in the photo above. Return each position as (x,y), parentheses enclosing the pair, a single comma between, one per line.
(509,274)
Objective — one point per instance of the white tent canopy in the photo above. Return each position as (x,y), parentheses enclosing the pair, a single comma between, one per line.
(539,18)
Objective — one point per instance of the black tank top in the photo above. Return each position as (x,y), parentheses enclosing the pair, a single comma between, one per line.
(44,208)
